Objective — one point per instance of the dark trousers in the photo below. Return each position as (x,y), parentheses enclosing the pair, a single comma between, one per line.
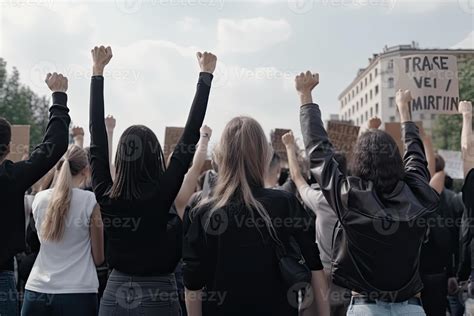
(8,294)
(41,304)
(434,294)
(129,295)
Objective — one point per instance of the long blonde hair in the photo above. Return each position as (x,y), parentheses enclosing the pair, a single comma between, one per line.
(243,156)
(75,160)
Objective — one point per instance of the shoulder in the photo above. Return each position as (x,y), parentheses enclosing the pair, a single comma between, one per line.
(41,199)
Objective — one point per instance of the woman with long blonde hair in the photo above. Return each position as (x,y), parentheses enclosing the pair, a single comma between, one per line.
(230,261)
(63,280)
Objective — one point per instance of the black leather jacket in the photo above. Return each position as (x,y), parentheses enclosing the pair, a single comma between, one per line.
(376,246)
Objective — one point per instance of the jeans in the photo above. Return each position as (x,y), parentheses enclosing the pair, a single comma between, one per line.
(386,309)
(8,294)
(456,307)
(41,304)
(129,295)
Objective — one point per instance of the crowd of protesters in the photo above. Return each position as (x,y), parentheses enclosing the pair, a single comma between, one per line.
(370,232)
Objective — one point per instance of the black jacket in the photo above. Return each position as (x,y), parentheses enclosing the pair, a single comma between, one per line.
(467,229)
(377,243)
(16,178)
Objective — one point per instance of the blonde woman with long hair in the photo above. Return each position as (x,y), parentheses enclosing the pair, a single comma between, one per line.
(63,280)
(230,261)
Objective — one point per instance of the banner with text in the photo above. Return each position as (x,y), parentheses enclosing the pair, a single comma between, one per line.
(20,143)
(433,82)
(343,136)
(172,137)
(454,166)
(277,143)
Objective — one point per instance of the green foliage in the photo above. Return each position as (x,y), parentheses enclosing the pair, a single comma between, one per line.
(20,105)
(447,129)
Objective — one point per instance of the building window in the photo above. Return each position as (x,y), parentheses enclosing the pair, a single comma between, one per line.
(371,112)
(391,102)
(366,81)
(352,93)
(376,89)
(357,106)
(366,115)
(361,85)
(391,82)
(371,94)
(366,99)
(390,64)
(362,119)
(361,102)
(370,77)
(353,108)
(357,89)
(349,112)
(376,109)
(376,72)
(392,118)
(357,121)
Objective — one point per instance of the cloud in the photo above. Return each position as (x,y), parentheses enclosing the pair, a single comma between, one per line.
(251,35)
(467,43)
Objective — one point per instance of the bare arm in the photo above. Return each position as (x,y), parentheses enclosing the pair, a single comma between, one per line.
(320,291)
(193,302)
(190,180)
(437,181)
(97,236)
(295,171)
(467,142)
(430,155)
(78,136)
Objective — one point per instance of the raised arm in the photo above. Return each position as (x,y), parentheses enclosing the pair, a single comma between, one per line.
(100,167)
(291,149)
(430,155)
(319,149)
(78,136)
(190,180)
(374,123)
(55,141)
(414,158)
(110,123)
(184,151)
(467,141)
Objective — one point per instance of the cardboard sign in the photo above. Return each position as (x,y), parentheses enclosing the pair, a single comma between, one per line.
(433,82)
(20,143)
(454,166)
(277,143)
(394,129)
(343,136)
(172,137)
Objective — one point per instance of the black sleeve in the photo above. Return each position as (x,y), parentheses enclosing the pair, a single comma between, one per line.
(468,191)
(99,152)
(54,145)
(319,149)
(184,151)
(414,158)
(304,233)
(194,250)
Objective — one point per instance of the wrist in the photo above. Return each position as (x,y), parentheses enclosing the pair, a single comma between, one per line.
(306,97)
(97,70)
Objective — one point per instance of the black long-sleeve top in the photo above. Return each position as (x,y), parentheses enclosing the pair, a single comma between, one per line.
(233,255)
(16,178)
(136,230)
(371,257)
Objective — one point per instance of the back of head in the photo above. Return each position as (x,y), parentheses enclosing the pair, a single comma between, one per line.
(377,158)
(139,160)
(74,162)
(5,137)
(243,156)
(439,163)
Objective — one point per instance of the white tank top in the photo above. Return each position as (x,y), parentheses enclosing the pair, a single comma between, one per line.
(65,266)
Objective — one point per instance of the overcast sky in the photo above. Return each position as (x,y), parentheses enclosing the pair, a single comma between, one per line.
(260,45)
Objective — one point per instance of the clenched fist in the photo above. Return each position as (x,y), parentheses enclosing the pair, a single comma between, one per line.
(100,58)
(306,82)
(403,98)
(206,132)
(374,123)
(77,131)
(56,82)
(465,107)
(207,62)
(288,139)
(110,123)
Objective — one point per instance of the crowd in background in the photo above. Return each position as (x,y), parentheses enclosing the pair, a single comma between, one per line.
(372,232)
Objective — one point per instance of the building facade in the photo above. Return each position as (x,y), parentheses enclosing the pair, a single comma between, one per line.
(372,92)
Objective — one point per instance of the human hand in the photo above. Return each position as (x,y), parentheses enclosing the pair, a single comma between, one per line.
(110,123)
(56,82)
(465,107)
(288,139)
(374,123)
(101,56)
(77,131)
(207,61)
(206,132)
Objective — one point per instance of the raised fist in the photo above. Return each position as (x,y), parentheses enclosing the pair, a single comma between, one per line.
(77,131)
(465,107)
(403,97)
(56,82)
(207,61)
(206,132)
(305,82)
(288,139)
(100,58)
(110,123)
(374,123)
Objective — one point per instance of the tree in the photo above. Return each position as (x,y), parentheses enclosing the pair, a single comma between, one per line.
(20,105)
(447,129)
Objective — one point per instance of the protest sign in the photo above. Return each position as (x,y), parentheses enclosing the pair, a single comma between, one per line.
(172,137)
(394,129)
(277,143)
(343,136)
(453,163)
(432,80)
(20,142)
